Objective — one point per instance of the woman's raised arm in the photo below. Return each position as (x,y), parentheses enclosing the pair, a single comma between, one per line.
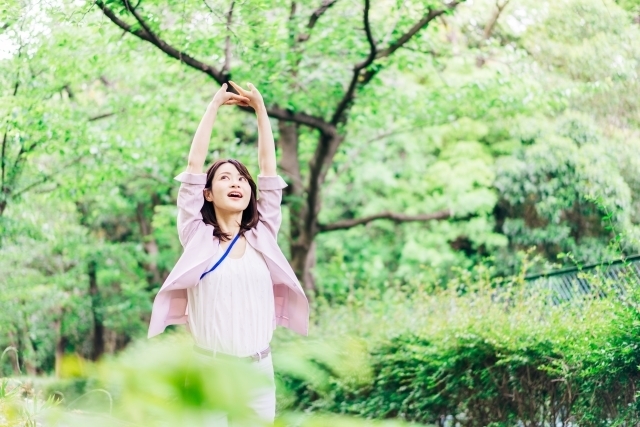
(266,145)
(200,144)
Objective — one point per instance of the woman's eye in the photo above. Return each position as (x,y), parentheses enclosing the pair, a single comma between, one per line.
(224,177)
(242,178)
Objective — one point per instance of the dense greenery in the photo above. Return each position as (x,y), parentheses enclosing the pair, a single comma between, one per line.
(495,128)
(478,353)
(486,357)
(150,384)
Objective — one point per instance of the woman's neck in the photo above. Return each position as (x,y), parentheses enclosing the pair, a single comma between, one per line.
(229,222)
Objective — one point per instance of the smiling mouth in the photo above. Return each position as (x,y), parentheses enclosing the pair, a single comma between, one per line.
(235,195)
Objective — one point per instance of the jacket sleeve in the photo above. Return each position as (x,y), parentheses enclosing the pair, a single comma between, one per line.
(190,201)
(270,197)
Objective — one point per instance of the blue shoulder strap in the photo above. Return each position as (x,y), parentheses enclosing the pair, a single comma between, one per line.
(233,242)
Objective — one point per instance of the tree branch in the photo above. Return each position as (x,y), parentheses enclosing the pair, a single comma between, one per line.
(426,19)
(349,94)
(362,79)
(4,188)
(67,88)
(488,29)
(3,159)
(46,177)
(146,34)
(326,4)
(297,41)
(23,150)
(397,217)
(386,38)
(101,116)
(274,111)
(227,49)
(301,118)
(105,81)
(327,147)
(141,21)
(211,10)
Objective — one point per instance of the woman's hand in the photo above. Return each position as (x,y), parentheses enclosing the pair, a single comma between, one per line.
(222,97)
(254,97)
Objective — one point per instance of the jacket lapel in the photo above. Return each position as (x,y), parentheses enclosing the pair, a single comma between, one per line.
(193,261)
(271,252)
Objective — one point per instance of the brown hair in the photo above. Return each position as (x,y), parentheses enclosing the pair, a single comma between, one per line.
(250,215)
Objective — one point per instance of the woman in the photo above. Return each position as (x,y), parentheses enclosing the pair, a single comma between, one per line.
(223,222)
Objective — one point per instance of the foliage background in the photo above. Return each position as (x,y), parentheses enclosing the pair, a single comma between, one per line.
(526,129)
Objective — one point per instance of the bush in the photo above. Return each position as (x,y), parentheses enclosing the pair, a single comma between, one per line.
(483,351)
(478,356)
(157,383)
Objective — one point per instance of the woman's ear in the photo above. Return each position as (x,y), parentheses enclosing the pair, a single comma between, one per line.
(207,195)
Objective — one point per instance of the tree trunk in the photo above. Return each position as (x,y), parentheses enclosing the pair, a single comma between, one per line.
(61,344)
(303,260)
(98,327)
(149,242)
(29,353)
(12,352)
(110,341)
(305,203)
(302,245)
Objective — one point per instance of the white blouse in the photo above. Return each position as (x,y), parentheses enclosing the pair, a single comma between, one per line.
(231,310)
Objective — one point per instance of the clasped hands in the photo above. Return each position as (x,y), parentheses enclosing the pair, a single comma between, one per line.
(244,98)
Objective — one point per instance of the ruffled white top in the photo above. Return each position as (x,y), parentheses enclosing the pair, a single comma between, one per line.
(231,310)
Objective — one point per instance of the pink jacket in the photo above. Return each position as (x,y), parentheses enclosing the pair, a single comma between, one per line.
(170,304)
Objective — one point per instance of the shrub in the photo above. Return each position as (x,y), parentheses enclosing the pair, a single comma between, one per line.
(481,356)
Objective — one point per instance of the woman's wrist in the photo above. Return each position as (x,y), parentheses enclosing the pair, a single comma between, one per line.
(213,106)
(261,108)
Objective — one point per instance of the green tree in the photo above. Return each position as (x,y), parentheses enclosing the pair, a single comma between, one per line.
(313,67)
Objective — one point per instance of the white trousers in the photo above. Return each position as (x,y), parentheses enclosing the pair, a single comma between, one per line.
(263,401)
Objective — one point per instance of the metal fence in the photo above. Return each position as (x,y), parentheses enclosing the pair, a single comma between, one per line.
(568,283)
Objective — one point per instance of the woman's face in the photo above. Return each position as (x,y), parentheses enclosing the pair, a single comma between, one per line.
(230,191)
